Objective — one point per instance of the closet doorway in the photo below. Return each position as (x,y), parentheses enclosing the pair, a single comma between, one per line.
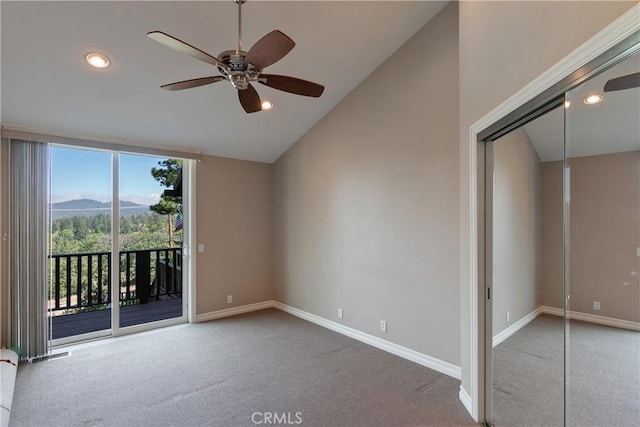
(563,258)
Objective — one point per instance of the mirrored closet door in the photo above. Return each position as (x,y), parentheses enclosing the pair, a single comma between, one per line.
(563,251)
(602,249)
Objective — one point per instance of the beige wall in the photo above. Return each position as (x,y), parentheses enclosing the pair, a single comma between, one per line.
(503,47)
(517,229)
(234,209)
(528,233)
(367,202)
(604,234)
(552,234)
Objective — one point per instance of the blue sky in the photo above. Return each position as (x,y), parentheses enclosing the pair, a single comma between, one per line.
(86,174)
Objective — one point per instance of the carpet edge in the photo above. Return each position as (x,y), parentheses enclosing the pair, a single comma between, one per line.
(393,348)
(430,362)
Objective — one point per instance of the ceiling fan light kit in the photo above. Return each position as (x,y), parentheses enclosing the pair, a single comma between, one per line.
(242,68)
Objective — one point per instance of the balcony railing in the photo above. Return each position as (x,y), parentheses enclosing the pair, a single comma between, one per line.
(83,281)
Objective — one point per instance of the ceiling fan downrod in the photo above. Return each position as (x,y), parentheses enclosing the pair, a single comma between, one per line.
(239,3)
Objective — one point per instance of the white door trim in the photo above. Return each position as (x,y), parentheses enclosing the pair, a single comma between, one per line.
(189,217)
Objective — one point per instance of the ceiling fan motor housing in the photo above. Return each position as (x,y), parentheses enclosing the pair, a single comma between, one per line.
(239,74)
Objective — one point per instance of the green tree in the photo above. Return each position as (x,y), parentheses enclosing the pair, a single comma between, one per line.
(80,227)
(167,174)
(64,242)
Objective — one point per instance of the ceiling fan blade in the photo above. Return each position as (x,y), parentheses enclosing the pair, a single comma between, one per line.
(183,47)
(250,100)
(187,84)
(293,85)
(269,49)
(624,82)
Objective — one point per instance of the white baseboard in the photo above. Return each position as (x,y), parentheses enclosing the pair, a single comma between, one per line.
(592,318)
(466,400)
(227,312)
(404,352)
(506,333)
(551,310)
(576,315)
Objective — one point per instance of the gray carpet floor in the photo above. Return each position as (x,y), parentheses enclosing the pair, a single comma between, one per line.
(603,376)
(221,373)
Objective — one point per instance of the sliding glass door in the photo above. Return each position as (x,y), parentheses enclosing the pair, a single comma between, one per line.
(150,239)
(80,300)
(116,252)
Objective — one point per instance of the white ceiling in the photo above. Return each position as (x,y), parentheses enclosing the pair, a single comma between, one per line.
(47,87)
(612,126)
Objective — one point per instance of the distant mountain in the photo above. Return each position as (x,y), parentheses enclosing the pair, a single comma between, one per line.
(88,207)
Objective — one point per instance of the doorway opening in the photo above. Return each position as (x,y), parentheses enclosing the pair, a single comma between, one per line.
(118,258)
(560,256)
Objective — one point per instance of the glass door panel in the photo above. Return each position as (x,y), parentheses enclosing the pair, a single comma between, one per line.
(79,300)
(602,246)
(150,239)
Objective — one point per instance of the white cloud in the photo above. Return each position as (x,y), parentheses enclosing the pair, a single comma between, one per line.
(141,199)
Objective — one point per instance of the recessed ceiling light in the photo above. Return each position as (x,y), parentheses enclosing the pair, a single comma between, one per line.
(267,105)
(567,104)
(592,99)
(97,60)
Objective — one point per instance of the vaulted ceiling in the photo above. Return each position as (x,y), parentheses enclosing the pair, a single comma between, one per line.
(47,86)
(611,126)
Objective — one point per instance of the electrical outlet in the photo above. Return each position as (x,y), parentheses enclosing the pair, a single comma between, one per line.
(200,248)
(339,313)
(507,317)
(596,305)
(637,251)
(383,325)
(229,299)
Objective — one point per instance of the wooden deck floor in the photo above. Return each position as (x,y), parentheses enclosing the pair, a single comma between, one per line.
(92,321)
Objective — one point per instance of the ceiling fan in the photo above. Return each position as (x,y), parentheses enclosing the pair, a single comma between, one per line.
(623,82)
(243,68)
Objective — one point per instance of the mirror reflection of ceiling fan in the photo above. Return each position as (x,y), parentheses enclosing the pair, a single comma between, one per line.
(243,68)
(623,82)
